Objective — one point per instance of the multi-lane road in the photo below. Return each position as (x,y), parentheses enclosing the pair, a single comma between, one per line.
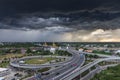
(67,70)
(97,70)
(59,73)
(72,75)
(15,63)
(77,61)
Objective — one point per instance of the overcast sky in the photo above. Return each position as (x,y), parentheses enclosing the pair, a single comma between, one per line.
(60,20)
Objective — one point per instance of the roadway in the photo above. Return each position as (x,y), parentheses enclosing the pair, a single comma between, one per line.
(58,73)
(97,70)
(100,55)
(72,75)
(71,68)
(65,68)
(15,63)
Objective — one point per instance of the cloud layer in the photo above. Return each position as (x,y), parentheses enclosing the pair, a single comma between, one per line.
(73,14)
(65,23)
(98,35)
(60,20)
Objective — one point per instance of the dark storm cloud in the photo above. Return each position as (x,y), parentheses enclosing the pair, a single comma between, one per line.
(59,20)
(82,21)
(12,7)
(59,14)
(23,6)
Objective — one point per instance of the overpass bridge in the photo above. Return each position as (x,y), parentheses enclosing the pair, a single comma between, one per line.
(80,70)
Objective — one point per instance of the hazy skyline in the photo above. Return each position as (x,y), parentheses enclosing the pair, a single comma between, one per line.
(59,20)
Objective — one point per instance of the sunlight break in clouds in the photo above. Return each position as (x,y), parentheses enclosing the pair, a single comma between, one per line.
(98,35)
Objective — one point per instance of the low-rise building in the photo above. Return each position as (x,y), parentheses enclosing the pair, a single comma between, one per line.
(1,43)
(52,50)
(4,72)
(90,51)
(23,51)
(2,78)
(81,49)
(117,51)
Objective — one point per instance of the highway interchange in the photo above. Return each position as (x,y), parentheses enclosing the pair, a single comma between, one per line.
(80,70)
(16,63)
(69,69)
(77,61)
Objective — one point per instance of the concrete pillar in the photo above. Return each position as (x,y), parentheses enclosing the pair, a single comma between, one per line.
(80,77)
(116,61)
(89,69)
(119,61)
(97,65)
(104,63)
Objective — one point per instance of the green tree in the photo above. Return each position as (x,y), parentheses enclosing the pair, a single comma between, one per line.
(28,50)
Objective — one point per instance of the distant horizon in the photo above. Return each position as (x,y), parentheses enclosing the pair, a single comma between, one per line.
(59,42)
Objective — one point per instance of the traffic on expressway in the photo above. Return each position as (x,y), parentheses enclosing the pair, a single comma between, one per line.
(64,68)
(77,61)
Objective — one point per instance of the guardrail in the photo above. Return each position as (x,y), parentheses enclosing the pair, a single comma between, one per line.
(72,69)
(86,67)
(31,66)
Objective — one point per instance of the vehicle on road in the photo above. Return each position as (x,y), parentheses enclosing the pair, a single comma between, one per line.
(57,73)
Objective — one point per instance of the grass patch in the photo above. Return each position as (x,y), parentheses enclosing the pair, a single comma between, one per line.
(112,73)
(4,64)
(102,52)
(39,61)
(44,69)
(10,56)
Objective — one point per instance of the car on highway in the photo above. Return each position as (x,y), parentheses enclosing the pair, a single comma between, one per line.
(57,73)
(13,79)
(74,64)
(45,73)
(18,75)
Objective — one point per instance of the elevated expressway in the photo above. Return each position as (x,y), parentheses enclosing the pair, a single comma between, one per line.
(67,70)
(80,70)
(76,61)
(15,63)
